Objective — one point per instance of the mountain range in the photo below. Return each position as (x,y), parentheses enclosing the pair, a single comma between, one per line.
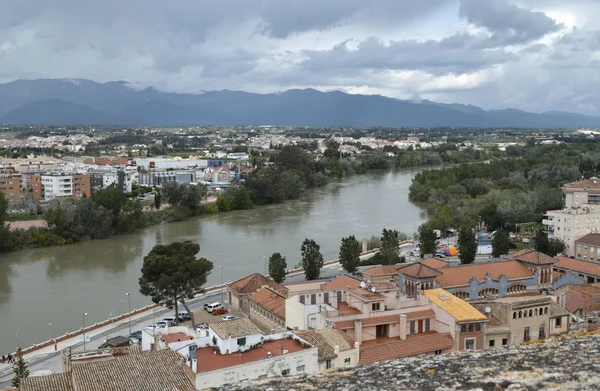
(85,102)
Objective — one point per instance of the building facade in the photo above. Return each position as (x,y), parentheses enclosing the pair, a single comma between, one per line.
(587,247)
(11,185)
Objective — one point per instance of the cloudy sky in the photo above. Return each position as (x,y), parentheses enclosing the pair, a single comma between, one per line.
(535,55)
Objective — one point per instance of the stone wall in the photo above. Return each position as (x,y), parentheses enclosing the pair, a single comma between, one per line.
(561,364)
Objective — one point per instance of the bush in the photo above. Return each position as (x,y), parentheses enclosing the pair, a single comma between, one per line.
(211,208)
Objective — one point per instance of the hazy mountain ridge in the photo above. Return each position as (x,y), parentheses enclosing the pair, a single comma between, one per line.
(80,101)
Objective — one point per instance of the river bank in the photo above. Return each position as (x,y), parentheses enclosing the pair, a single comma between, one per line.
(57,284)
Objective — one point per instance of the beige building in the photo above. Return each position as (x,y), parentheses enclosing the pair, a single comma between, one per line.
(580,216)
(587,248)
(336,350)
(267,308)
(515,320)
(239,292)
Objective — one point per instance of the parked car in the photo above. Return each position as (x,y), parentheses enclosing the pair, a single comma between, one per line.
(415,253)
(152,326)
(440,255)
(185,316)
(202,326)
(213,306)
(103,346)
(219,311)
(170,319)
(228,317)
(136,334)
(162,324)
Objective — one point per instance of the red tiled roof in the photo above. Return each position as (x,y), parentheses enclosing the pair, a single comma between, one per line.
(344,324)
(344,309)
(175,337)
(270,300)
(532,256)
(462,275)
(420,314)
(406,348)
(386,319)
(578,266)
(592,239)
(380,271)
(419,270)
(341,282)
(435,263)
(366,294)
(254,282)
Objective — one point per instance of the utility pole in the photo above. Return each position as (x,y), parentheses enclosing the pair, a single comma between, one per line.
(129,310)
(222,289)
(83,328)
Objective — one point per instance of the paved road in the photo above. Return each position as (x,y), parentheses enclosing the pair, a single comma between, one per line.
(52,361)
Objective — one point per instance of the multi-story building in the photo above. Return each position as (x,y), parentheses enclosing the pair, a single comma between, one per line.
(581,272)
(580,216)
(335,348)
(65,185)
(587,248)
(583,300)
(157,178)
(514,320)
(239,292)
(267,307)
(11,185)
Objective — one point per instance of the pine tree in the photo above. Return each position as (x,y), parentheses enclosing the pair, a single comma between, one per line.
(427,239)
(20,369)
(350,254)
(312,259)
(467,244)
(500,243)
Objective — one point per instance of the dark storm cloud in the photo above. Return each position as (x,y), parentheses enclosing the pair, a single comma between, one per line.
(508,23)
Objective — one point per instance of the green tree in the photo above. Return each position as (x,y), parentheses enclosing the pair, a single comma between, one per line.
(223,203)
(427,239)
(312,260)
(157,200)
(112,199)
(192,194)
(467,244)
(6,240)
(390,253)
(171,273)
(541,242)
(500,243)
(238,197)
(556,246)
(293,184)
(172,192)
(277,266)
(350,254)
(443,217)
(19,369)
(3,208)
(94,221)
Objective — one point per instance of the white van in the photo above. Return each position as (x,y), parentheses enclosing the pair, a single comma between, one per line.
(213,306)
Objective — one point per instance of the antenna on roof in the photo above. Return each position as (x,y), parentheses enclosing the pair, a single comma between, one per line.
(363,284)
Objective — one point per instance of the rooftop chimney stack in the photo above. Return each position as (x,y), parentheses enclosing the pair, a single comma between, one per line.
(402,326)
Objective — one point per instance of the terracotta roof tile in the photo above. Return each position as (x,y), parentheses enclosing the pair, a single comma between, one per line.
(592,239)
(420,314)
(55,382)
(239,327)
(386,319)
(154,370)
(406,348)
(380,271)
(270,300)
(341,282)
(419,270)
(325,340)
(578,266)
(462,275)
(254,282)
(533,257)
(457,308)
(366,294)
(344,324)
(435,263)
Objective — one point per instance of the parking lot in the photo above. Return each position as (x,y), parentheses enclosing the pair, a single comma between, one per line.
(204,316)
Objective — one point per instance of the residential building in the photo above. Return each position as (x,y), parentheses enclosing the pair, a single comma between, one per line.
(11,185)
(515,320)
(580,216)
(239,292)
(155,370)
(583,300)
(587,247)
(65,185)
(267,307)
(538,263)
(335,348)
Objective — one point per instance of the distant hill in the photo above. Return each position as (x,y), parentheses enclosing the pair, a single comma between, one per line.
(81,102)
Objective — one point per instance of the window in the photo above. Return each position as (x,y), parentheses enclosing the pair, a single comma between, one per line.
(526,334)
(328,364)
(326,297)
(313,299)
(412,327)
(438,352)
(492,343)
(514,315)
(470,344)
(504,341)
(375,306)
(478,327)
(427,325)
(470,328)
(463,328)
(285,372)
(241,341)
(339,297)
(302,299)
(558,322)
(542,334)
(300,369)
(545,310)
(520,314)
(347,362)
(530,313)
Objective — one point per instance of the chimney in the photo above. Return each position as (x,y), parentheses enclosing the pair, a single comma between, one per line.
(356,345)
(402,326)
(358,330)
(336,349)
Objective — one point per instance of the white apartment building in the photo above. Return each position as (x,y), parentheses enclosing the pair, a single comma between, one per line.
(580,216)
(57,186)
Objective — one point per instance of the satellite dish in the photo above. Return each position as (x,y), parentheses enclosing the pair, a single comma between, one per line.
(373,289)
(363,284)
(488,310)
(369,288)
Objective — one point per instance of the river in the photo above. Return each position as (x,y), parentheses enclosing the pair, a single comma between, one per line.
(44,292)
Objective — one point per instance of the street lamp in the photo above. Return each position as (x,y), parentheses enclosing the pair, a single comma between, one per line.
(83,328)
(50,328)
(129,310)
(266,269)
(222,290)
